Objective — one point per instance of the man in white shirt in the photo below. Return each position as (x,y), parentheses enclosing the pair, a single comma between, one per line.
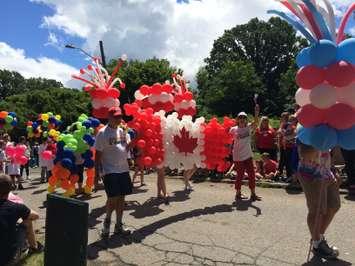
(112,146)
(243,154)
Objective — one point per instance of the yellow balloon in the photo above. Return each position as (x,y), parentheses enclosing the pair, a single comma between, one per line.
(58,117)
(45,117)
(52,132)
(87,190)
(51,189)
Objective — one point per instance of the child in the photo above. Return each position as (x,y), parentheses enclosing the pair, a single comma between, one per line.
(2,157)
(243,154)
(42,163)
(269,166)
(137,169)
(14,173)
(322,195)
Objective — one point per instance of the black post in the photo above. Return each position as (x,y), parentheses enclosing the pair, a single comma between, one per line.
(102,54)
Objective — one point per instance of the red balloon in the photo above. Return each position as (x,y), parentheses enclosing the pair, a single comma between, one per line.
(340,74)
(145,89)
(122,85)
(167,88)
(147,161)
(149,132)
(188,96)
(141,143)
(100,113)
(310,116)
(152,150)
(114,93)
(156,89)
(310,76)
(340,116)
(99,93)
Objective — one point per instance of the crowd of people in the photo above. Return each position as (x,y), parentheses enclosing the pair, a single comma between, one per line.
(283,158)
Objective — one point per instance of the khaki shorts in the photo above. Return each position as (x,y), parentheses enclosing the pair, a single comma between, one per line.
(330,198)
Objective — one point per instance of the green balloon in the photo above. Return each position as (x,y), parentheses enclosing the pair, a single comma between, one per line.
(30,129)
(45,134)
(45,123)
(9,119)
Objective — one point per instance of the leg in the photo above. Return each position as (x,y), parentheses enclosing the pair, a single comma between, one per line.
(119,209)
(30,234)
(282,161)
(43,173)
(21,169)
(27,168)
(288,162)
(249,166)
(240,174)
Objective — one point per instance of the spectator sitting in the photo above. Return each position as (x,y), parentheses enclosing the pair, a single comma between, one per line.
(269,166)
(14,235)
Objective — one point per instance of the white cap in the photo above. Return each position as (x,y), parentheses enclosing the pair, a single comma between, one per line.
(242,114)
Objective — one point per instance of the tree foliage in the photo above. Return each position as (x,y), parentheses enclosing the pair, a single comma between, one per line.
(269,46)
(137,73)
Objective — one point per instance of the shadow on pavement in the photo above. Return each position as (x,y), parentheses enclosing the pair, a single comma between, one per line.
(140,234)
(317,261)
(39,191)
(94,214)
(350,197)
(244,205)
(149,208)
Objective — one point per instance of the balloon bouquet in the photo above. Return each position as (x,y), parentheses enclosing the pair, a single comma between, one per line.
(176,140)
(326,76)
(46,125)
(8,120)
(101,86)
(72,146)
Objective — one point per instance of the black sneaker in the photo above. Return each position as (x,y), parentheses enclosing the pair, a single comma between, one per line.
(325,252)
(105,232)
(36,250)
(20,187)
(120,230)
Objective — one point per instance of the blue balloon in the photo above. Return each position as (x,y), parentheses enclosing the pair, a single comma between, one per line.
(346,138)
(87,124)
(52,120)
(304,135)
(346,51)
(89,163)
(323,53)
(95,122)
(60,145)
(34,125)
(302,59)
(323,137)
(69,154)
(87,155)
(89,140)
(67,163)
(14,123)
(13,114)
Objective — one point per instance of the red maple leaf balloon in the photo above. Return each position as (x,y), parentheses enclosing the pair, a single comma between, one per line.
(185,143)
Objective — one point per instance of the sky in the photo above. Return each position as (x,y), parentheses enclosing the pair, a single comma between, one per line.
(34,32)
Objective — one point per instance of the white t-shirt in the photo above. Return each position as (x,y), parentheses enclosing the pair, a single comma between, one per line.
(112,143)
(13,169)
(242,143)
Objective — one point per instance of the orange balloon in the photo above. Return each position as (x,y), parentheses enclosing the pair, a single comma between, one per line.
(65,184)
(74,179)
(52,181)
(90,172)
(90,181)
(3,114)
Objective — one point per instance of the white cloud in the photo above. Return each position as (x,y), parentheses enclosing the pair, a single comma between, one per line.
(16,60)
(182,33)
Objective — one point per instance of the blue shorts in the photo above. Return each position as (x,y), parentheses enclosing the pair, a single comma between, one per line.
(118,184)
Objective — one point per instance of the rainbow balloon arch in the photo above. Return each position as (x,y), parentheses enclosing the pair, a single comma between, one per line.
(326,76)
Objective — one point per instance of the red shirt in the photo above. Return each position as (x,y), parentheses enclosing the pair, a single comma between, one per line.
(265,139)
(270,166)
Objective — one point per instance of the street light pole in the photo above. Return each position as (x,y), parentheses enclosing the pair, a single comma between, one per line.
(103,59)
(71,46)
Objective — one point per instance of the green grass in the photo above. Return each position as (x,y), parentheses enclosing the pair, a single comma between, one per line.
(34,260)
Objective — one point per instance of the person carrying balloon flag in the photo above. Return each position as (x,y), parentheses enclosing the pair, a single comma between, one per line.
(327,112)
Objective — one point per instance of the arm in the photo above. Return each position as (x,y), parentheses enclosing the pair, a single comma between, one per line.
(255,123)
(33,216)
(98,164)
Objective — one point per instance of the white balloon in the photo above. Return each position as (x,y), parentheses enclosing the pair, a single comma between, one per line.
(138,95)
(347,95)
(302,97)
(323,96)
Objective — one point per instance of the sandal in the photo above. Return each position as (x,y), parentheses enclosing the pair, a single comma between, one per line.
(240,196)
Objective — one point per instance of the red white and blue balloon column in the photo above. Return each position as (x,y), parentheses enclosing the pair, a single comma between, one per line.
(102,87)
(326,76)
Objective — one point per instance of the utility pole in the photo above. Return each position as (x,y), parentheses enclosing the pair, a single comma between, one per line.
(103,60)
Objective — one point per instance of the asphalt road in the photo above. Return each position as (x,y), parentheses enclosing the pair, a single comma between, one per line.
(206,227)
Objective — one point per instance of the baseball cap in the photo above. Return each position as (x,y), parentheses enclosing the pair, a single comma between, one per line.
(115,111)
(242,114)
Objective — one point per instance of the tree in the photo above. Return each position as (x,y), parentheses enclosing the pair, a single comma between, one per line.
(136,73)
(69,103)
(288,87)
(270,47)
(41,83)
(231,89)
(11,83)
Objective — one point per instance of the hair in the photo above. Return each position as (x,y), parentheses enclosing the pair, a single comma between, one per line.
(263,118)
(6,136)
(265,155)
(5,185)
(22,138)
(285,114)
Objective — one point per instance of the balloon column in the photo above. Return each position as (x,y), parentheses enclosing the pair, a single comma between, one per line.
(326,76)
(101,86)
(184,104)
(8,120)
(73,146)
(47,125)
